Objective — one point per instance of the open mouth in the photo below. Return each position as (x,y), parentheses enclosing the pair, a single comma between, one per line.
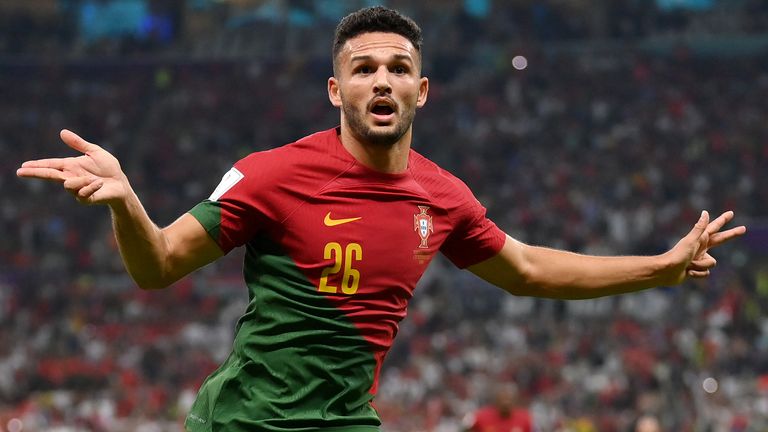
(383,110)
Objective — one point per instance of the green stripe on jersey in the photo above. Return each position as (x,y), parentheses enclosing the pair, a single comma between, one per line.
(298,363)
(208,213)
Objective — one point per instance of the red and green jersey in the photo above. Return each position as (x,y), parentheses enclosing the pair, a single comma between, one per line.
(333,254)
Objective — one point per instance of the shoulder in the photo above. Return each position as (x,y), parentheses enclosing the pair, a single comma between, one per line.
(307,148)
(305,156)
(425,168)
(275,181)
(438,182)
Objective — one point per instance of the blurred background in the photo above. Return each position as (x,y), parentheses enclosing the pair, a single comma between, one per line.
(597,126)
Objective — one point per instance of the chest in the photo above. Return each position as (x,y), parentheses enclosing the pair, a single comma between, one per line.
(365,239)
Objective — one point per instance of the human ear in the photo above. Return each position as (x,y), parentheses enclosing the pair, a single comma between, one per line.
(423,91)
(334,92)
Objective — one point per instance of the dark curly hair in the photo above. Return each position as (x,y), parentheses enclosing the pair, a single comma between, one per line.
(375,19)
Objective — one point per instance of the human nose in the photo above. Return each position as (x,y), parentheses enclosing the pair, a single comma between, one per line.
(381,81)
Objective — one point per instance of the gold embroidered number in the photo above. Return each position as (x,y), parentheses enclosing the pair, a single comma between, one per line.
(332,251)
(342,257)
(351,279)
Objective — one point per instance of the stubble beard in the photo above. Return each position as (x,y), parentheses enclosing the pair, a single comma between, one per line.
(365,134)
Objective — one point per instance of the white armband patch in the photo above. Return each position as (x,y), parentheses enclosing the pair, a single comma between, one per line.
(230,179)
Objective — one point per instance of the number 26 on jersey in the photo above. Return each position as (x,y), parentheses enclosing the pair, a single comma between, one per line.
(343,260)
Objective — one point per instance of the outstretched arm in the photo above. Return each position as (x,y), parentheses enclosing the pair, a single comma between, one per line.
(154,257)
(541,272)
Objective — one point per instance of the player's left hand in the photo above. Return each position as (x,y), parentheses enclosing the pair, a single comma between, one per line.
(690,256)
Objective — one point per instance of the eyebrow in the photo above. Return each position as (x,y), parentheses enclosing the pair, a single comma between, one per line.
(368,57)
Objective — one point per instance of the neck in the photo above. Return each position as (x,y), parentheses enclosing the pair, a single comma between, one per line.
(391,159)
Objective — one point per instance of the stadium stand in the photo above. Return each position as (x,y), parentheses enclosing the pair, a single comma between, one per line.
(627,120)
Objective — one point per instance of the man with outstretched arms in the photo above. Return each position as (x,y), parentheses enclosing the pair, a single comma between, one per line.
(338,227)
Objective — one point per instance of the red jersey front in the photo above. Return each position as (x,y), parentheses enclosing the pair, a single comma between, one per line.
(334,252)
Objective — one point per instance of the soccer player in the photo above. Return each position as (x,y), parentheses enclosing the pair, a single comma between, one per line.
(338,227)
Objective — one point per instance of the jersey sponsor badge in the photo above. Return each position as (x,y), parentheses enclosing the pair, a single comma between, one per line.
(230,179)
(422,224)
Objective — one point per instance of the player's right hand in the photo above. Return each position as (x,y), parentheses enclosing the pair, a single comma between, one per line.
(93,178)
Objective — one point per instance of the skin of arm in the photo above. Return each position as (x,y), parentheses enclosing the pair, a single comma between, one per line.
(154,257)
(536,271)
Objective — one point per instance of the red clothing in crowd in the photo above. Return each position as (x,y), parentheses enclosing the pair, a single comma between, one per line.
(490,419)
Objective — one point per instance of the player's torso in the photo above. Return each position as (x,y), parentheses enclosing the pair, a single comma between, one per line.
(361,238)
(342,252)
(333,257)
(364,242)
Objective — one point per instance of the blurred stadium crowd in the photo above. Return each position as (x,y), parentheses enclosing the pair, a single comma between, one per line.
(609,141)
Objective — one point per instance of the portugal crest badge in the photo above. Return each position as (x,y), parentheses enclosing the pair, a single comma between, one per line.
(422,224)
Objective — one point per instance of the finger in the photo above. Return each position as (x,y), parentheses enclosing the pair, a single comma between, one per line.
(74,141)
(720,222)
(700,227)
(56,163)
(86,194)
(698,274)
(703,263)
(75,184)
(721,237)
(42,173)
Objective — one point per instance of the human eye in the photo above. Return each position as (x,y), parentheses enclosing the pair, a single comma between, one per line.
(400,70)
(364,69)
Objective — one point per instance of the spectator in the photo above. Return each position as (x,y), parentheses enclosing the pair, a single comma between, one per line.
(661,131)
(503,415)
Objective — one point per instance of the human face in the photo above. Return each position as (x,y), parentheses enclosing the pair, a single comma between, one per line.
(378,86)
